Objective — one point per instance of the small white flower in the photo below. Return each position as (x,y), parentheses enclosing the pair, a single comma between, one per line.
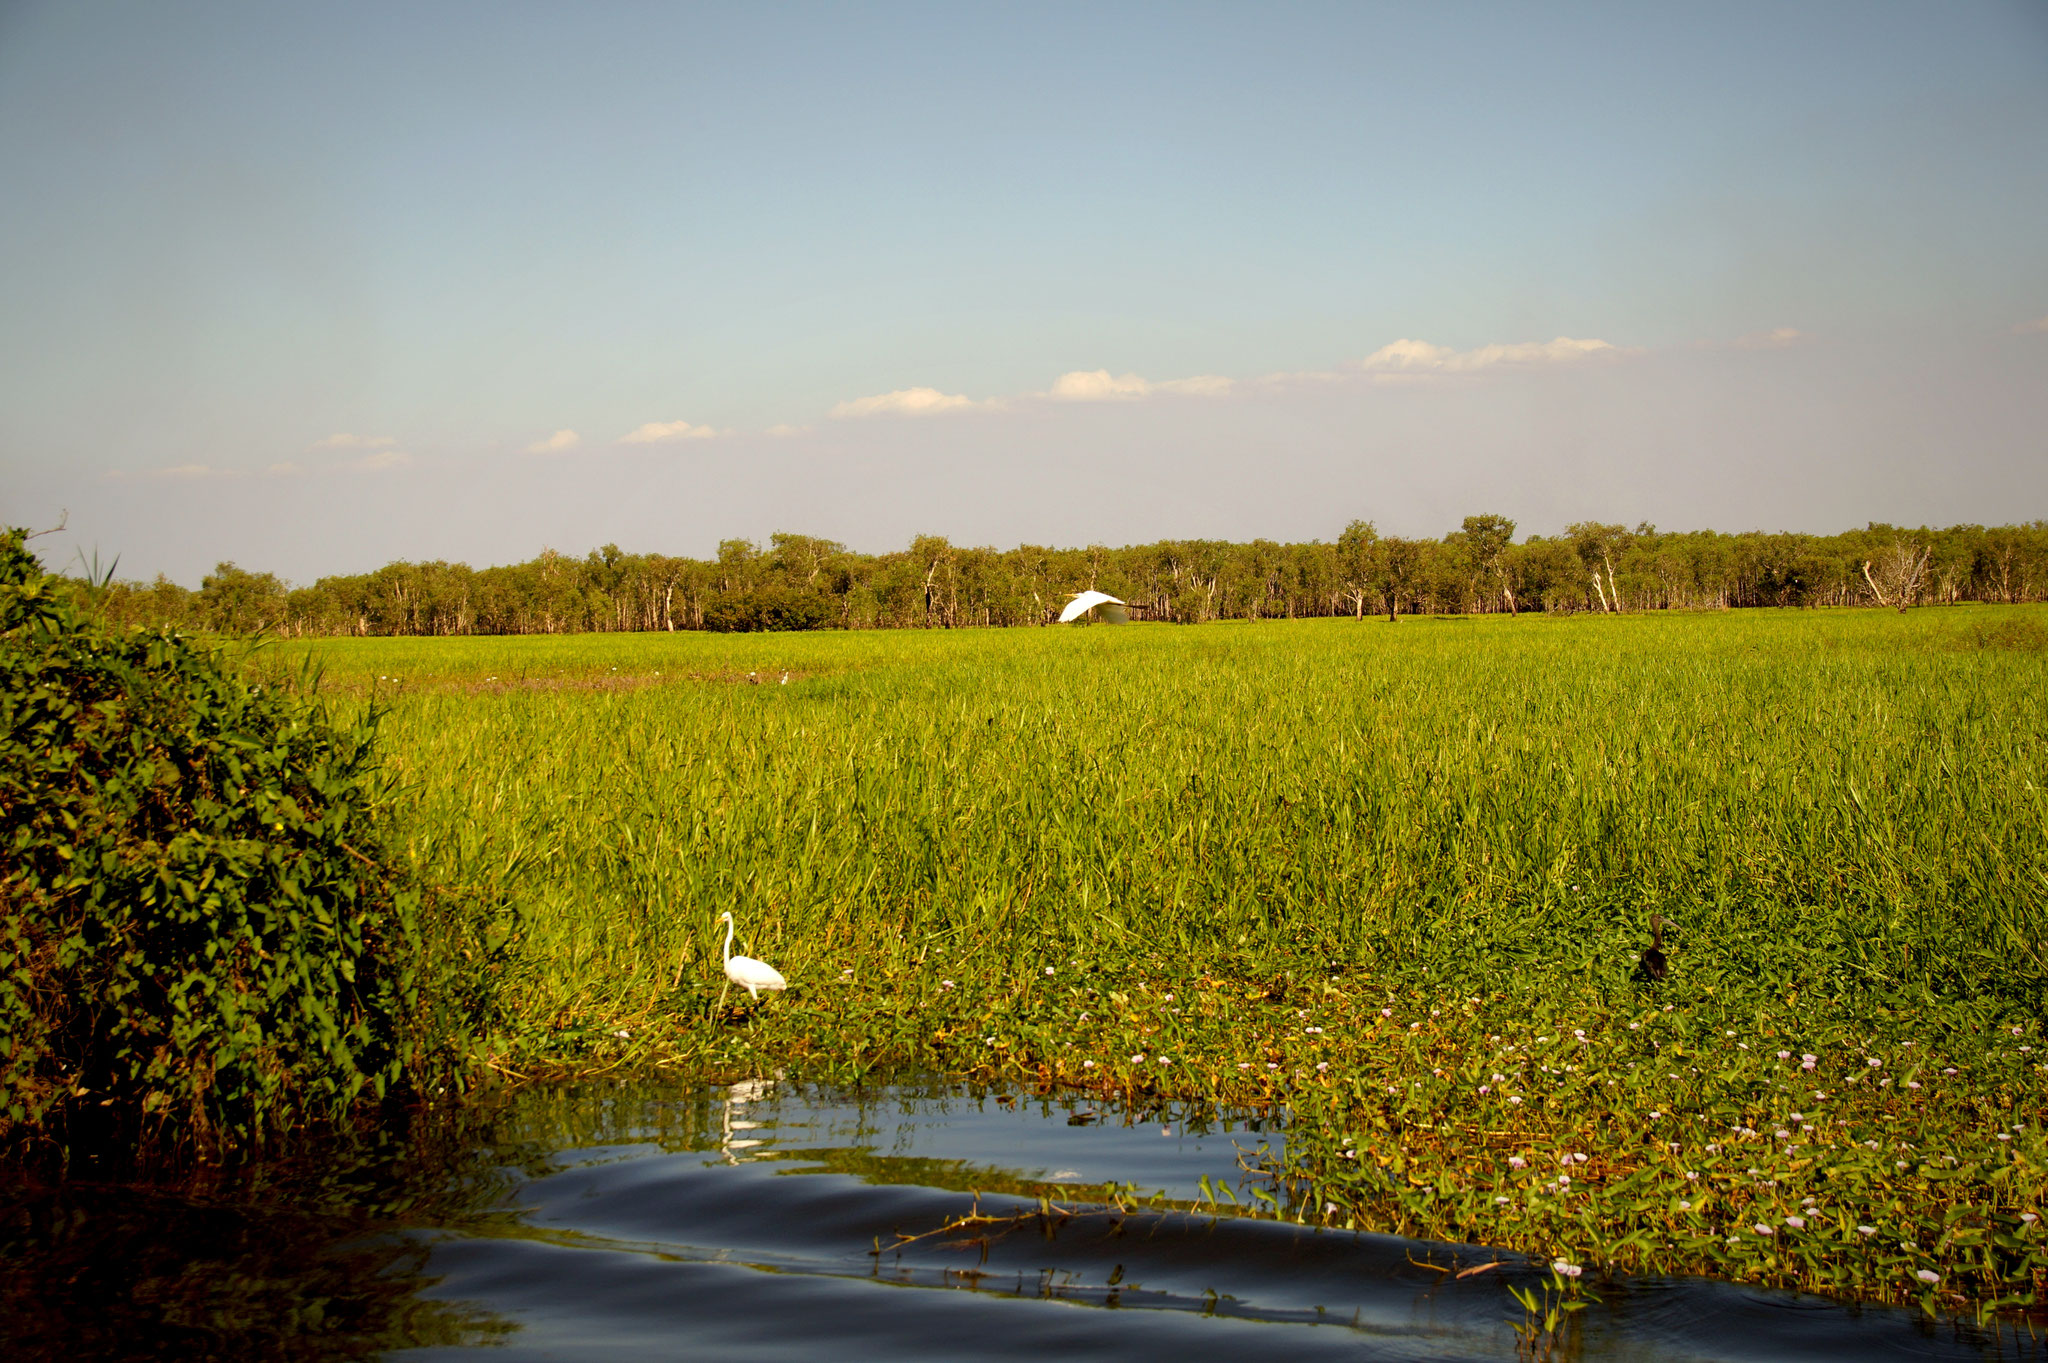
(1796,1222)
(1866,1231)
(1928,1276)
(1564,1269)
(1048,970)
(1517,1162)
(1761,1229)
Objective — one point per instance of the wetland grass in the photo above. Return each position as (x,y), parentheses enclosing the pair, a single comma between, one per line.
(1395,879)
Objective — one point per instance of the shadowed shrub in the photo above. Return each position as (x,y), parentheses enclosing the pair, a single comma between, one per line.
(767,608)
(201,939)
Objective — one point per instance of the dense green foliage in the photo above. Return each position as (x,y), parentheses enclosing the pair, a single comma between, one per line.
(800,582)
(201,940)
(1233,846)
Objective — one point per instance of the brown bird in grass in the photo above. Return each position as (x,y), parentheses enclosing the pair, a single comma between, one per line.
(1654,964)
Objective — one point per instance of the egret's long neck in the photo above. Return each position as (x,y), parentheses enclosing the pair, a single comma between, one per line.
(728,939)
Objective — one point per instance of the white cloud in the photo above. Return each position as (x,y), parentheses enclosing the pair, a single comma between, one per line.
(342,440)
(191,471)
(1200,386)
(285,468)
(554,444)
(1777,338)
(1299,378)
(1099,385)
(904,402)
(784,428)
(2039,324)
(383,459)
(1414,358)
(663,432)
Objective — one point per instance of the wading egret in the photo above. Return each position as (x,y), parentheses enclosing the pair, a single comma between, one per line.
(746,972)
(1088,601)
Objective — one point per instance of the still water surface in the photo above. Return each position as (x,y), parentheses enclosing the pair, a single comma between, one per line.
(768,1221)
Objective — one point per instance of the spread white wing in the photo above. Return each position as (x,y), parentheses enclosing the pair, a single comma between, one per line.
(1085,602)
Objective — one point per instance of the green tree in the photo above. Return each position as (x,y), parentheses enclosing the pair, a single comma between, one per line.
(237,602)
(1487,538)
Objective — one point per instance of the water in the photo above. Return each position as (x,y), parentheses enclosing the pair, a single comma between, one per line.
(774,1221)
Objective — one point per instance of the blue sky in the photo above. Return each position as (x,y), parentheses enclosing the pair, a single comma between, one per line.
(312,288)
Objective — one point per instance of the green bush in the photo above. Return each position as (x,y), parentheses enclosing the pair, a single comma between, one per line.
(767,608)
(201,939)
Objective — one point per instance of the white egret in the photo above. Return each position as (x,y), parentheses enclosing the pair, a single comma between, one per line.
(746,972)
(1088,601)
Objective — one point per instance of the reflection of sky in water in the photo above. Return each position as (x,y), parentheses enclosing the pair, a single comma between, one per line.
(777,1220)
(1032,1138)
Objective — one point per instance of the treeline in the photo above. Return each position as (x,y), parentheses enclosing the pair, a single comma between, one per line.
(801,582)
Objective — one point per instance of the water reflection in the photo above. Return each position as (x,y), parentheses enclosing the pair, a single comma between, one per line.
(778,1220)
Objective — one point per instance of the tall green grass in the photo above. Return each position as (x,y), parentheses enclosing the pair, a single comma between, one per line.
(1834,802)
(1151,858)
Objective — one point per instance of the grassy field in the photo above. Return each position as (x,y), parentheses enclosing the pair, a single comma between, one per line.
(1393,877)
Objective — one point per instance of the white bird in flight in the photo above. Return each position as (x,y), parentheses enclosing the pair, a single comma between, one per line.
(1088,601)
(746,972)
